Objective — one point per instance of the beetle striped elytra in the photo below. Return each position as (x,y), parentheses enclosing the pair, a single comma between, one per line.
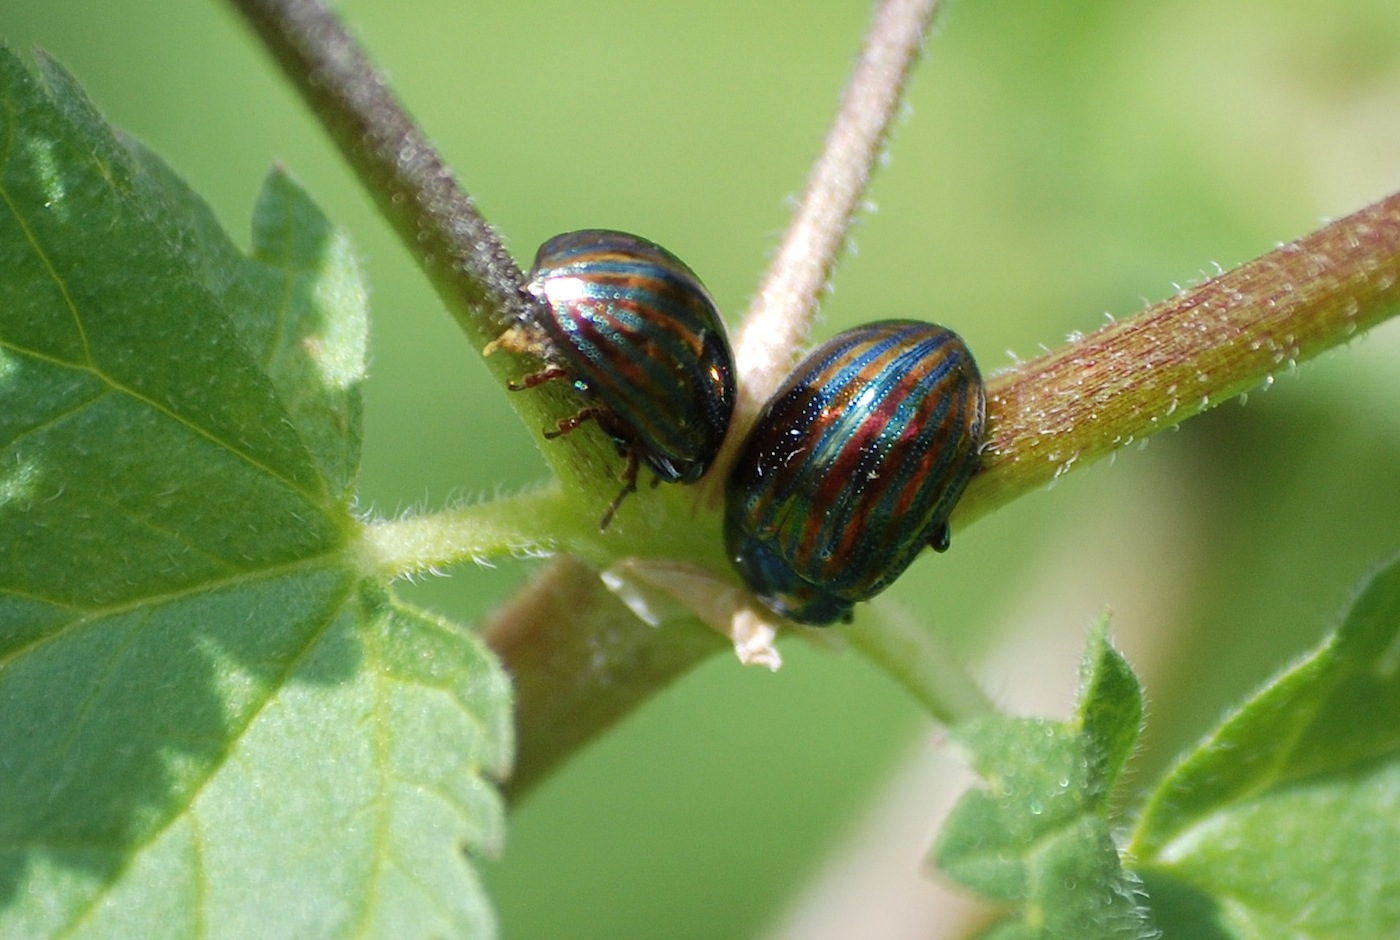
(853,467)
(638,335)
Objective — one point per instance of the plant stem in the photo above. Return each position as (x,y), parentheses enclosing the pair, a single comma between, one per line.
(530,524)
(436,221)
(906,650)
(778,319)
(580,661)
(1179,357)
(403,172)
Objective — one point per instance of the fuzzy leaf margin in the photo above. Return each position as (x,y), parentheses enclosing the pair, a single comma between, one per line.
(1036,836)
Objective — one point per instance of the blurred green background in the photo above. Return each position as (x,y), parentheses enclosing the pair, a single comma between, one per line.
(1061,160)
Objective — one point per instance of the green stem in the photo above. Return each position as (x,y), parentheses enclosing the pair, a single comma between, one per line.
(905,648)
(530,524)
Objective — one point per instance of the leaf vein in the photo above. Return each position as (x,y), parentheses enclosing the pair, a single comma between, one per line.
(88,615)
(47,262)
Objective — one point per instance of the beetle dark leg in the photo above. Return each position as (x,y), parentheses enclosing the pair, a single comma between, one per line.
(565,425)
(629,485)
(547,374)
(941,538)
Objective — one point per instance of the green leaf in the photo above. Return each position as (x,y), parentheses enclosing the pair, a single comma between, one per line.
(1037,837)
(210,721)
(1284,821)
(314,355)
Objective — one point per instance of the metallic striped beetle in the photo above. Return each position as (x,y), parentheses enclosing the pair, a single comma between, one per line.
(636,332)
(853,467)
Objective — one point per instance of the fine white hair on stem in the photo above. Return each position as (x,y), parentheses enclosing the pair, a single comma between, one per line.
(786,301)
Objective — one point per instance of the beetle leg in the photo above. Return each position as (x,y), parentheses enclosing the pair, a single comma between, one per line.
(941,538)
(629,485)
(547,374)
(565,425)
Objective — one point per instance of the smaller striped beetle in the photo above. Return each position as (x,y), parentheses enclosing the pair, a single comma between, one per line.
(637,334)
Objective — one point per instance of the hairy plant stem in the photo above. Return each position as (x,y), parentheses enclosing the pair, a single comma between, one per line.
(415,190)
(580,660)
(1228,335)
(480,284)
(777,321)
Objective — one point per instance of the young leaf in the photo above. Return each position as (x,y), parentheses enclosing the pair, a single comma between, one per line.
(1285,820)
(1037,836)
(210,723)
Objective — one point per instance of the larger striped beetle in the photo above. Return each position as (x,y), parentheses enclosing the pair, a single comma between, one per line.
(853,467)
(637,334)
